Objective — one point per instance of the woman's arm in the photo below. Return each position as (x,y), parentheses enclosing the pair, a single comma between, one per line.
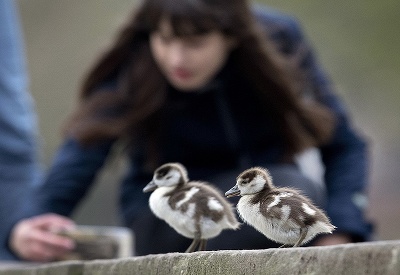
(345,157)
(70,176)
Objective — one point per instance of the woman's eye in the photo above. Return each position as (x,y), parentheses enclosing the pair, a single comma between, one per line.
(165,39)
(194,41)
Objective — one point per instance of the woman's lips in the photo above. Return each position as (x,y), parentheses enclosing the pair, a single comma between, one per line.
(181,73)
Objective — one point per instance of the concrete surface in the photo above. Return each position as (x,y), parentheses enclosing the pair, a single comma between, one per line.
(366,258)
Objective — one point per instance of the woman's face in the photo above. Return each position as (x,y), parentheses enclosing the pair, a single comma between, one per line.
(189,62)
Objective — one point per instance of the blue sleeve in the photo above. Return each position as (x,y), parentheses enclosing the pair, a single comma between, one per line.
(71,174)
(345,157)
(18,122)
(19,162)
(346,162)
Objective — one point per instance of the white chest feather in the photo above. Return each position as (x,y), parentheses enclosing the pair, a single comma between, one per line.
(181,222)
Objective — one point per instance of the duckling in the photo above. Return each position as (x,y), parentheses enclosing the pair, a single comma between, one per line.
(281,214)
(194,209)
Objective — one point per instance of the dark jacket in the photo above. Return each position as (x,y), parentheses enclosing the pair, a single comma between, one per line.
(221,128)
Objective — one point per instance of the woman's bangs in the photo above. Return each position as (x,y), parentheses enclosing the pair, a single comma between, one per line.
(185,17)
(183,25)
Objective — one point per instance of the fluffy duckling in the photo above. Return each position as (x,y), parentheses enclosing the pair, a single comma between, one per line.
(193,208)
(281,214)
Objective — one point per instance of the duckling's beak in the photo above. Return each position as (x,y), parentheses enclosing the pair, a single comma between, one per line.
(234,191)
(151,186)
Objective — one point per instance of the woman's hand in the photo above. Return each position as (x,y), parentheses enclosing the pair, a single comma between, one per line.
(36,239)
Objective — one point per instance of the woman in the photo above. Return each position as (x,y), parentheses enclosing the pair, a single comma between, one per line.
(219,87)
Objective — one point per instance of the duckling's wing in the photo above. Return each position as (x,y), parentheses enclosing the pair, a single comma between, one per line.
(213,204)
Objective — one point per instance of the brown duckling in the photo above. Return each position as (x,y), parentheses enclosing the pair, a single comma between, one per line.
(194,209)
(281,214)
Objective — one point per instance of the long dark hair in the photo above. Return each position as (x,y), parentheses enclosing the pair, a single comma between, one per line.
(140,90)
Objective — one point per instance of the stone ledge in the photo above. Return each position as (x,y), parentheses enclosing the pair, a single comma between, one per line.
(364,258)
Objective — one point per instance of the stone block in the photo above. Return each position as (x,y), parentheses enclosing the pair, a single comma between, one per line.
(363,258)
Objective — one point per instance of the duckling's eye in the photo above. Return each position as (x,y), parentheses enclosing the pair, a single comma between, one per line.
(244,181)
(168,177)
(160,175)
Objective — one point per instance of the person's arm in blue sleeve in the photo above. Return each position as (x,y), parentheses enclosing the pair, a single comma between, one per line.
(346,162)
(345,157)
(71,174)
(19,161)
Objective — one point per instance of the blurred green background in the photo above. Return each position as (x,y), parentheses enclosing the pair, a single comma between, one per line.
(357,42)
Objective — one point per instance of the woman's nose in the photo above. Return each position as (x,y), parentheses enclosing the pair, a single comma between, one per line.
(177,54)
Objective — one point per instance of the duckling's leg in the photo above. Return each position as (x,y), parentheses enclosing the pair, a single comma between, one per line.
(195,243)
(303,234)
(203,244)
(284,246)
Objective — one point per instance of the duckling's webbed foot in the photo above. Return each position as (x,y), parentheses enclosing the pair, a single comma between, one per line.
(303,234)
